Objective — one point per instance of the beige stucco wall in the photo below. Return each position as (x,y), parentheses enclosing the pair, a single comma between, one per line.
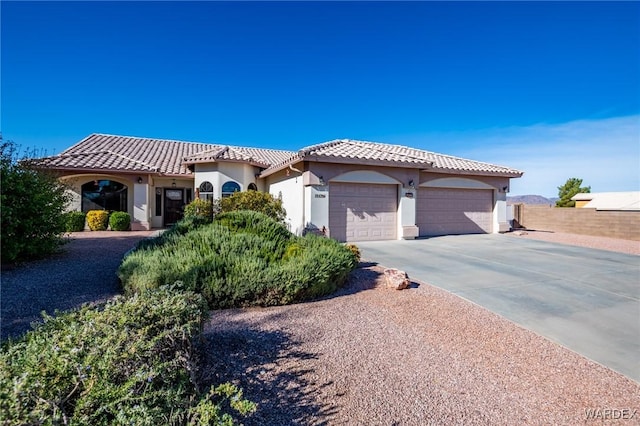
(220,173)
(288,185)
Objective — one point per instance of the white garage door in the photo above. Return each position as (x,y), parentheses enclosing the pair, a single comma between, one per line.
(446,211)
(363,212)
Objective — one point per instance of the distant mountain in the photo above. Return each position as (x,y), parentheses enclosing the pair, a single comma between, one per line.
(531,199)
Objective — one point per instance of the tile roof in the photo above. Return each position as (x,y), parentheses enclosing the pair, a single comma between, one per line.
(396,155)
(133,154)
(258,156)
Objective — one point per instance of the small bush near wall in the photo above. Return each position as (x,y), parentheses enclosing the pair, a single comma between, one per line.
(119,221)
(262,202)
(98,220)
(243,258)
(130,361)
(74,221)
(200,209)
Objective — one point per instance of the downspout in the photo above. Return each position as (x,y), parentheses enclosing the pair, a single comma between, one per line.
(295,170)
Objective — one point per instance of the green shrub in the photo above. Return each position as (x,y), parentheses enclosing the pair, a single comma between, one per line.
(201,209)
(241,259)
(33,203)
(98,220)
(119,221)
(130,361)
(74,221)
(262,202)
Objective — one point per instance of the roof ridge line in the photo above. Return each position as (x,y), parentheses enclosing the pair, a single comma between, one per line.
(154,168)
(304,151)
(149,139)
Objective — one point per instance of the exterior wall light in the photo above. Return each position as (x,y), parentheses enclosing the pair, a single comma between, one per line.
(173,184)
(139,180)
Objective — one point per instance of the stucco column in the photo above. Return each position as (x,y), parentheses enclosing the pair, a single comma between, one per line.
(407,229)
(140,219)
(316,207)
(500,222)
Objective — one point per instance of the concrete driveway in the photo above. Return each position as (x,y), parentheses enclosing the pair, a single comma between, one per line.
(584,299)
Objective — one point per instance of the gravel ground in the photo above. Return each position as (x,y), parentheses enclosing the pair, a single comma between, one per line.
(364,356)
(602,243)
(373,356)
(83,272)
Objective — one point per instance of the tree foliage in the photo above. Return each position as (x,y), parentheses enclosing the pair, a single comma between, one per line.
(262,202)
(571,187)
(33,202)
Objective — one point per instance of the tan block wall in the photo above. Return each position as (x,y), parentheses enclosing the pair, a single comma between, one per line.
(600,223)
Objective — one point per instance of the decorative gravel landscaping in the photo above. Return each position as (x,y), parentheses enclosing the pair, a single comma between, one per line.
(363,355)
(84,272)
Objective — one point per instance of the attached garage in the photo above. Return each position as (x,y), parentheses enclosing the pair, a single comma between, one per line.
(451,211)
(363,211)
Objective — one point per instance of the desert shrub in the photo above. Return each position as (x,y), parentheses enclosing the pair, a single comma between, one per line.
(129,362)
(243,258)
(321,268)
(98,220)
(119,221)
(33,201)
(262,202)
(74,221)
(177,229)
(257,223)
(201,209)
(355,250)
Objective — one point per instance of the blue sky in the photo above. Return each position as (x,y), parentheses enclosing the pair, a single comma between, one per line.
(550,88)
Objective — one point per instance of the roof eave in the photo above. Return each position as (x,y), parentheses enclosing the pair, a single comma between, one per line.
(473,172)
(224,160)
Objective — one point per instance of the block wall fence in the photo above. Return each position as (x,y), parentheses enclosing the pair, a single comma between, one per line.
(599,223)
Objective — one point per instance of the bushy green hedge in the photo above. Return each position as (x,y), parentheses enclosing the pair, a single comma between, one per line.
(243,258)
(32,203)
(74,221)
(119,221)
(201,209)
(262,202)
(129,362)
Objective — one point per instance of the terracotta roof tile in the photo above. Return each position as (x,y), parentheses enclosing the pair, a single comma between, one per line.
(133,154)
(396,155)
(125,153)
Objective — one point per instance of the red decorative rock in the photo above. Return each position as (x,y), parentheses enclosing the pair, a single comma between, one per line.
(396,279)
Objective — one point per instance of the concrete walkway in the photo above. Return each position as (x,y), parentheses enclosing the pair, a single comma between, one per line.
(587,300)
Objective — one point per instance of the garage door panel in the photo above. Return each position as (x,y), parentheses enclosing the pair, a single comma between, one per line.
(362,212)
(443,211)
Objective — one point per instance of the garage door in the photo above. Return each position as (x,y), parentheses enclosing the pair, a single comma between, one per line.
(363,212)
(446,211)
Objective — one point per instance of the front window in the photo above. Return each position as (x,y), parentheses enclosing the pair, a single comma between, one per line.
(229,188)
(104,195)
(206,191)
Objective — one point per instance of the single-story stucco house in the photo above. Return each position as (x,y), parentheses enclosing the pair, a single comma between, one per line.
(352,190)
